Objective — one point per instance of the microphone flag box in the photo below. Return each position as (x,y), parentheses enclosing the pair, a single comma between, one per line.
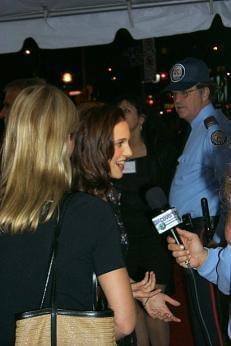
(166,221)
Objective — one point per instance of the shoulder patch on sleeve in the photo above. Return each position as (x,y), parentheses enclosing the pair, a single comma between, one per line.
(218,137)
(210,121)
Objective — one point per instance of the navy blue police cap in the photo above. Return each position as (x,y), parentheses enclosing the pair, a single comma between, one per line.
(187,73)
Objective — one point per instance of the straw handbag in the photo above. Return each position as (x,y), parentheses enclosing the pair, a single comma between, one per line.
(54,326)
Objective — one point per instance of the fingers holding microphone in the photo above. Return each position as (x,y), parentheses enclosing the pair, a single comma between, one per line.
(192,252)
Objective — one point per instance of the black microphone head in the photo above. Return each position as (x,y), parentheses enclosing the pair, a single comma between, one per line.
(156,198)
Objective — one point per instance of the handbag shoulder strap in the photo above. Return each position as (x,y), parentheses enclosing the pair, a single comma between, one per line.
(62,209)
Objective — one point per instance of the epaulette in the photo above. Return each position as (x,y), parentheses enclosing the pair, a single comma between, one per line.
(210,121)
(218,137)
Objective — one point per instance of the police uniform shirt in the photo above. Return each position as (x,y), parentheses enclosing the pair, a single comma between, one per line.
(201,166)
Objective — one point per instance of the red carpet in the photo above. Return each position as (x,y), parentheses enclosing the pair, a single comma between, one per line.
(180,333)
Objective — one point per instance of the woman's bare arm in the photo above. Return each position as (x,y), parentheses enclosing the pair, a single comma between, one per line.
(117,289)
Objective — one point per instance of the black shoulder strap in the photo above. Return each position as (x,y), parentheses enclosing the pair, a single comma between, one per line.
(62,207)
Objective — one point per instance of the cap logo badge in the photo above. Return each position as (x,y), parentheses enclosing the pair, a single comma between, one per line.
(177,73)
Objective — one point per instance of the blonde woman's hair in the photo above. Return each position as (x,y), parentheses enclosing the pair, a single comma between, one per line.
(36,169)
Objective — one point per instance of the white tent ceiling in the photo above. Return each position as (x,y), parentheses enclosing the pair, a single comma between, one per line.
(75,23)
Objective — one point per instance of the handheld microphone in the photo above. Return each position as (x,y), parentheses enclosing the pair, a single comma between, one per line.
(206,215)
(167,218)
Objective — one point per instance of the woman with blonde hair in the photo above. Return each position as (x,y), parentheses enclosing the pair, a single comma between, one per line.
(36,173)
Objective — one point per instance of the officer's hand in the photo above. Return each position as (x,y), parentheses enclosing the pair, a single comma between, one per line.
(192,252)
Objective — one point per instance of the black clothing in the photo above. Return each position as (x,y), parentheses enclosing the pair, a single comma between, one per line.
(162,143)
(89,242)
(147,250)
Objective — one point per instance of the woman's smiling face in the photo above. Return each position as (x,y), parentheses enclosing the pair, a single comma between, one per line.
(122,150)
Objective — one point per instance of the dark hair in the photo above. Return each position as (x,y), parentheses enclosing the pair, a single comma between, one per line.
(135,101)
(141,109)
(94,148)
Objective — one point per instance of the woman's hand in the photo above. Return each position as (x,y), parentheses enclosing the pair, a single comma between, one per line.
(156,307)
(192,252)
(152,299)
(145,288)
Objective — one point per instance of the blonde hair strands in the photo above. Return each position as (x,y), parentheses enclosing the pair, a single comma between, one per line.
(35,164)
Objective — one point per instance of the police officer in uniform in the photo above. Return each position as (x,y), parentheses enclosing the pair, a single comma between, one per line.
(199,174)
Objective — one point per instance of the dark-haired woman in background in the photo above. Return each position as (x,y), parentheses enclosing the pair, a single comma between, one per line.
(147,250)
